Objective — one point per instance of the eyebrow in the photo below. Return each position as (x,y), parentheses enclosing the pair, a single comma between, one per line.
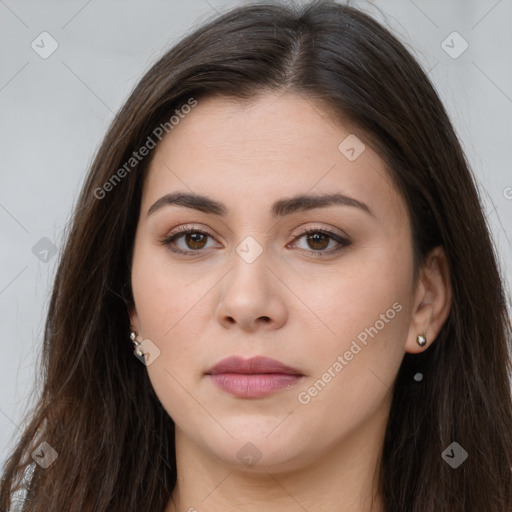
(280,208)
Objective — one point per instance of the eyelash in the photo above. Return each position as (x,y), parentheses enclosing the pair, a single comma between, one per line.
(184,230)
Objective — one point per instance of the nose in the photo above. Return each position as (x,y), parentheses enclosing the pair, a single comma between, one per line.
(252,296)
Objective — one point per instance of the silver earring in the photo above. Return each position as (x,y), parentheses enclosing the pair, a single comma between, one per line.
(133,337)
(421,339)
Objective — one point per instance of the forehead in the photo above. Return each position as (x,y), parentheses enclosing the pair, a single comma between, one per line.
(266,148)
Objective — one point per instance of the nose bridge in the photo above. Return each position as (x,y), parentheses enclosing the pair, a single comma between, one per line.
(251,248)
(250,261)
(250,292)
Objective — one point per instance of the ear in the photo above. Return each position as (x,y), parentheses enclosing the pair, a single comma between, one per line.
(134,318)
(432,301)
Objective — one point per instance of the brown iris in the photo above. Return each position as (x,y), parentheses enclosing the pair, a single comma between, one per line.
(195,241)
(317,239)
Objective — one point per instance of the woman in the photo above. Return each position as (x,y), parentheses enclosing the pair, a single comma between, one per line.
(278,290)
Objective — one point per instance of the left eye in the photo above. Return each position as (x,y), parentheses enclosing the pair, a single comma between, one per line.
(317,239)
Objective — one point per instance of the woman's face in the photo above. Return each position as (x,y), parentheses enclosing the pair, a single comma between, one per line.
(335,308)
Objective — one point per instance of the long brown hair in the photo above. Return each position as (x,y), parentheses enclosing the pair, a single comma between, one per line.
(97,409)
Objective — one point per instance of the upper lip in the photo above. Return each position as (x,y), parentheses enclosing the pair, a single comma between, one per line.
(253,365)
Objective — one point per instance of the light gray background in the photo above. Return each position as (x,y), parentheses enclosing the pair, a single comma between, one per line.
(55,112)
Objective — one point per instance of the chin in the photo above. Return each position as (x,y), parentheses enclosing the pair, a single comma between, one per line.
(259,446)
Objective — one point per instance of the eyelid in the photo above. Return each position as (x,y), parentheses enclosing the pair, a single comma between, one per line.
(184,228)
(341,239)
(321,229)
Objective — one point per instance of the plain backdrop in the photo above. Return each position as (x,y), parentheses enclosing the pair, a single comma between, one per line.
(55,109)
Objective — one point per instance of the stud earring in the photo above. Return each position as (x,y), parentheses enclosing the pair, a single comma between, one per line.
(421,339)
(133,337)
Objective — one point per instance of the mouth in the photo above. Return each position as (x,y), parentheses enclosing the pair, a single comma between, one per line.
(256,377)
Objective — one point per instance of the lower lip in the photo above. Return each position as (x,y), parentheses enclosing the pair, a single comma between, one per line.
(244,385)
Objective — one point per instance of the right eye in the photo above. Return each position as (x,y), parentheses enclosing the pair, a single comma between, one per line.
(194,240)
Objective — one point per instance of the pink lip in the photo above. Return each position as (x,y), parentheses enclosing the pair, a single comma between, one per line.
(253,378)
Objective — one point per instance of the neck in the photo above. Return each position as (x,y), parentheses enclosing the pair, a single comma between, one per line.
(344,478)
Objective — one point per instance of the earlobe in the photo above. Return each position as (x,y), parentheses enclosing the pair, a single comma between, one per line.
(432,302)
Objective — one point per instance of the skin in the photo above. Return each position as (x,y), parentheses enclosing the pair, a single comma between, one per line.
(288,304)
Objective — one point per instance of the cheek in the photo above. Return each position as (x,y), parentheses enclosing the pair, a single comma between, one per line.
(369,292)
(164,309)
(354,371)
(365,321)
(172,309)
(164,294)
